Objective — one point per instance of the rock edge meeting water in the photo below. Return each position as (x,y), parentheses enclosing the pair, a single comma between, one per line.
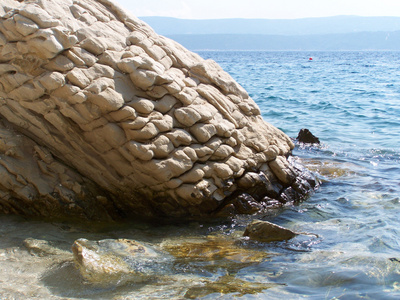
(350,100)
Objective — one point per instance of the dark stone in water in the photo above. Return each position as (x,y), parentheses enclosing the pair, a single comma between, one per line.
(264,231)
(305,136)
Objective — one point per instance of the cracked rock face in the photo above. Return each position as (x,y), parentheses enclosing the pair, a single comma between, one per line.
(101,117)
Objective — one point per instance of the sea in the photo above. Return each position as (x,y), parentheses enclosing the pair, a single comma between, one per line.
(348,245)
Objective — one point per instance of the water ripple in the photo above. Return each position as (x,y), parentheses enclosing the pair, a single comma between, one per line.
(350,100)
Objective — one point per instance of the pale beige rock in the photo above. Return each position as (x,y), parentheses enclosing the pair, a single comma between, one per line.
(99,71)
(108,100)
(142,106)
(282,170)
(96,123)
(194,175)
(224,128)
(137,123)
(191,153)
(143,79)
(140,151)
(148,132)
(172,88)
(12,81)
(99,85)
(128,122)
(94,45)
(214,143)
(113,135)
(158,92)
(162,147)
(186,96)
(187,116)
(165,104)
(164,125)
(124,113)
(3,40)
(52,81)
(60,63)
(27,92)
(24,25)
(180,163)
(39,16)
(88,58)
(180,137)
(222,170)
(223,151)
(78,78)
(203,132)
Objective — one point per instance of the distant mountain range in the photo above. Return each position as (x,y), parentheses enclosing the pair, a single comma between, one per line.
(331,33)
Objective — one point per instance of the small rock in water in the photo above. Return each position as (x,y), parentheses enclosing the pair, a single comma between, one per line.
(264,231)
(114,261)
(305,136)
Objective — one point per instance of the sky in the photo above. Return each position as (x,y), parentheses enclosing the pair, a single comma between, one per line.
(260,9)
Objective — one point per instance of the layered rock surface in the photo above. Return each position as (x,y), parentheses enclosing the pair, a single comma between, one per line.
(101,117)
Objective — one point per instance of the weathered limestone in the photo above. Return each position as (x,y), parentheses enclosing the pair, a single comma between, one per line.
(101,117)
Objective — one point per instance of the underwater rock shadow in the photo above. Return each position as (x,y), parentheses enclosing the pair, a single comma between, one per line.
(64,280)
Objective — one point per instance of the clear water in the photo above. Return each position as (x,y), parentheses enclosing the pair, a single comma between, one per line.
(351,101)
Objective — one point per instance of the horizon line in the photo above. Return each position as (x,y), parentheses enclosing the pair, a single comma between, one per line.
(269,19)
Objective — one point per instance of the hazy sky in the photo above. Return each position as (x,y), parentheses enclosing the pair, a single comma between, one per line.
(268,9)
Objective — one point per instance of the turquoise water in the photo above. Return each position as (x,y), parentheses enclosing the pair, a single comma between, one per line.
(351,101)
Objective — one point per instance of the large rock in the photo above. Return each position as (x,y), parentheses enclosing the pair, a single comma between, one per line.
(101,117)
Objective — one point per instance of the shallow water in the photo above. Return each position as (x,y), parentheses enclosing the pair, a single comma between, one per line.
(351,101)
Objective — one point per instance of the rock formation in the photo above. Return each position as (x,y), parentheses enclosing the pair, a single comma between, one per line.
(100,117)
(305,136)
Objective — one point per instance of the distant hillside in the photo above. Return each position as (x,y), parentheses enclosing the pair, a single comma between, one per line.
(332,33)
(307,26)
(349,41)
